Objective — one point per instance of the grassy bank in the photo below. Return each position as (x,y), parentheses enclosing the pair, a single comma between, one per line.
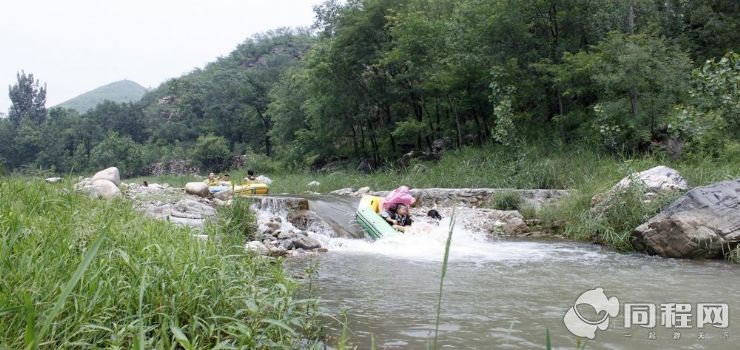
(83,273)
(541,166)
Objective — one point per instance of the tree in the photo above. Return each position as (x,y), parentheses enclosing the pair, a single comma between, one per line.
(118,151)
(632,83)
(28,100)
(212,152)
(711,118)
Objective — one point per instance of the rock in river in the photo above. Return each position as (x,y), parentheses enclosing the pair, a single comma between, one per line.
(111,174)
(197,189)
(703,223)
(305,242)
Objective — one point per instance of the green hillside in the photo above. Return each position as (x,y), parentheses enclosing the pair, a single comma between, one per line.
(120,91)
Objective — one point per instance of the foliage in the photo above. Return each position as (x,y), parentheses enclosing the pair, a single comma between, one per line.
(637,80)
(211,152)
(118,151)
(28,100)
(507,201)
(712,116)
(238,220)
(613,224)
(78,272)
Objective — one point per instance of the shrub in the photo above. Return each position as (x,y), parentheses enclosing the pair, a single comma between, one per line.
(237,220)
(212,153)
(613,224)
(507,201)
(262,164)
(119,151)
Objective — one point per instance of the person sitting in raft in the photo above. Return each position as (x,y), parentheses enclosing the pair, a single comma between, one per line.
(225,180)
(398,216)
(249,179)
(212,180)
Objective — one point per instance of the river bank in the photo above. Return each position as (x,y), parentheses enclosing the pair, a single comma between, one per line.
(481,256)
(79,272)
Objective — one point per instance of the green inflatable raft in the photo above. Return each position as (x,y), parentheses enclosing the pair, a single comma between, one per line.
(370,221)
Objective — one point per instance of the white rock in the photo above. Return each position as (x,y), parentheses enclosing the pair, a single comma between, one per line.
(257,247)
(53,180)
(197,189)
(103,189)
(658,179)
(111,174)
(314,184)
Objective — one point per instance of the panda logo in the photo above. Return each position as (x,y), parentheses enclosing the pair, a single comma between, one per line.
(583,327)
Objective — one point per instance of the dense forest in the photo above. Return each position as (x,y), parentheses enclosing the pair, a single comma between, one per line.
(378,81)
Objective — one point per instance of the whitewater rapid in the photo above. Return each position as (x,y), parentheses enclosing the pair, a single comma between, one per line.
(426,242)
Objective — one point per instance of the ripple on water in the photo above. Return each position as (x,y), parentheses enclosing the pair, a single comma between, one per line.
(504,294)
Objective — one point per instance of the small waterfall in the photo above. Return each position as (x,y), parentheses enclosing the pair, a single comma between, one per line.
(424,242)
(278,204)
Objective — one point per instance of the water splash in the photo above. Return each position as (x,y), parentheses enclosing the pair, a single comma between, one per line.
(426,242)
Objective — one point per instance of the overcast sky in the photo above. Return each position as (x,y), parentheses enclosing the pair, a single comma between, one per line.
(77,45)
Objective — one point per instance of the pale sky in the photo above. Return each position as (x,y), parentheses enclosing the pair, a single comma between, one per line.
(77,45)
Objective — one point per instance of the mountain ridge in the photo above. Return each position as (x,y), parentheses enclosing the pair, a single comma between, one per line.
(118,91)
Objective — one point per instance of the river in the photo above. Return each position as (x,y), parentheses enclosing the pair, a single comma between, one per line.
(505,294)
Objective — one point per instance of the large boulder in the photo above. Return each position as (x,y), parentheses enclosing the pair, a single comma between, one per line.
(102,189)
(658,180)
(111,174)
(703,223)
(199,189)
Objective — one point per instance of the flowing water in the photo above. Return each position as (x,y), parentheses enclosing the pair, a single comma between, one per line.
(505,294)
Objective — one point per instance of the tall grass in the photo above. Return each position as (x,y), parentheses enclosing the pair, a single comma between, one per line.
(81,273)
(237,220)
(529,166)
(445,260)
(611,224)
(507,201)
